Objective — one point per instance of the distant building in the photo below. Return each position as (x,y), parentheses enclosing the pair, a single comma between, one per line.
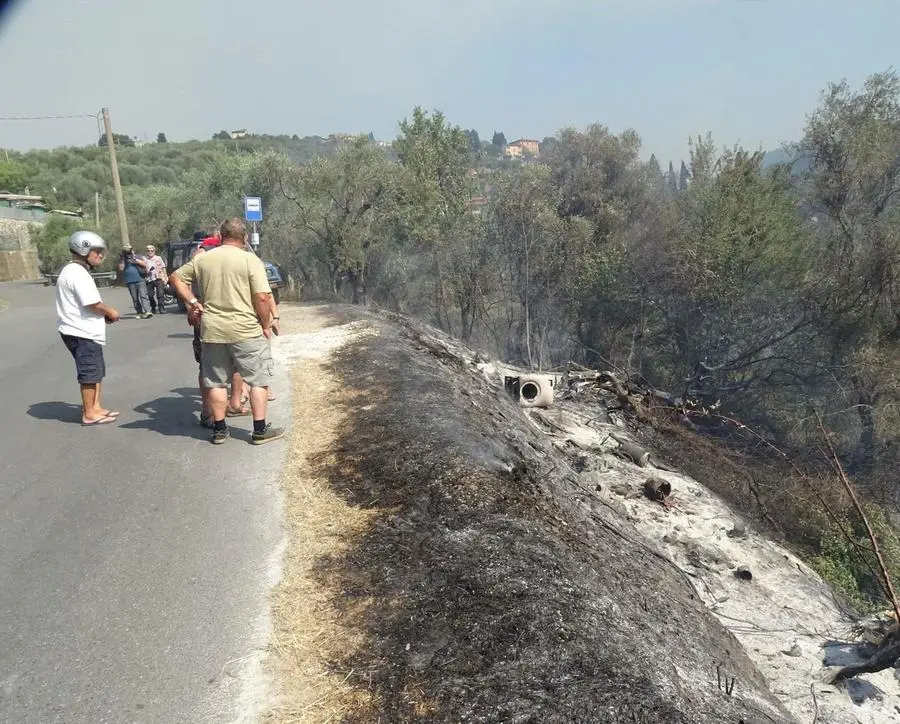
(476,203)
(241,133)
(10,199)
(521,146)
(25,207)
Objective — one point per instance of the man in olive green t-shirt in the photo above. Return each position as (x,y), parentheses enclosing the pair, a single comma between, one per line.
(235,326)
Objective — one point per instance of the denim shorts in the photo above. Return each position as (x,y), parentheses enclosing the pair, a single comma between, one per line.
(89,364)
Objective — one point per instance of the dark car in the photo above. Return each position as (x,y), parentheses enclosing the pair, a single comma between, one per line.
(276,280)
(178,253)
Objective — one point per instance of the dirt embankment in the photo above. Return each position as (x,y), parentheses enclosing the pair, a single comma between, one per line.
(447,564)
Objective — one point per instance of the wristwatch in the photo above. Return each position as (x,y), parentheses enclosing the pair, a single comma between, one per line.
(192,301)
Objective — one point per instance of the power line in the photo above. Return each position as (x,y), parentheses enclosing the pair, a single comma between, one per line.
(48,118)
(95,116)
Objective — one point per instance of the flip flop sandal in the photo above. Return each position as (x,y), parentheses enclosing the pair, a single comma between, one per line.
(99,421)
(237,413)
(113,413)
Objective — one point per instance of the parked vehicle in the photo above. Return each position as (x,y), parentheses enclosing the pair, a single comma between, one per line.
(276,280)
(178,253)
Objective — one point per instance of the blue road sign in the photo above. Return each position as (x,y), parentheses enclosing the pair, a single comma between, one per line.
(253,208)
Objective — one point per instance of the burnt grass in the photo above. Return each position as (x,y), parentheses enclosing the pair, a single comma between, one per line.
(493,586)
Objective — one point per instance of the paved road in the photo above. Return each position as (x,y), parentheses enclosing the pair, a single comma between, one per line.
(135,558)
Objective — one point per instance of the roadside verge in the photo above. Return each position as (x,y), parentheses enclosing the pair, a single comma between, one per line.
(307,630)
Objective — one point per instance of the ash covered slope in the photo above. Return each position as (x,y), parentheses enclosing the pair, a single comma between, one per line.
(492,587)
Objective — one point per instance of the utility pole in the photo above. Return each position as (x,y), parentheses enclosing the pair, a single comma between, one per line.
(117,185)
(97,209)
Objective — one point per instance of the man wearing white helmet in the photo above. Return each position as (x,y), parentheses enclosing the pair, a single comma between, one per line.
(81,320)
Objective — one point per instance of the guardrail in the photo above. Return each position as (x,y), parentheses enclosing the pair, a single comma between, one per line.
(101,278)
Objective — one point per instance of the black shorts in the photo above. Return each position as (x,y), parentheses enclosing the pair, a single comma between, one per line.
(197,345)
(89,364)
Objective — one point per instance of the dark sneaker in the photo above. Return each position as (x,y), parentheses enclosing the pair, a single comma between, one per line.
(220,436)
(267,435)
(207,422)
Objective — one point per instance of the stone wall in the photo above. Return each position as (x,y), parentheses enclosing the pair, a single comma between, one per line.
(14,234)
(19,265)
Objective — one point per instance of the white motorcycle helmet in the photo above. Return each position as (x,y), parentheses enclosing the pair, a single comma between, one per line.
(83,242)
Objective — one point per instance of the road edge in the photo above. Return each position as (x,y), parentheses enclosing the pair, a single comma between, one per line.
(256,685)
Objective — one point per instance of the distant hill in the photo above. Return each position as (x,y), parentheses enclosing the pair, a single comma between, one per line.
(781,156)
(68,177)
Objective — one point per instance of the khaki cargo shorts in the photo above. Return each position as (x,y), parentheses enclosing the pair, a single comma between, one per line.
(252,359)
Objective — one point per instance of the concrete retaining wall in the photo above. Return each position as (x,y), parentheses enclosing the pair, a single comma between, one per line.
(19,266)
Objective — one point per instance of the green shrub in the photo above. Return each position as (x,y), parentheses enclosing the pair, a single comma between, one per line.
(52,242)
(848,568)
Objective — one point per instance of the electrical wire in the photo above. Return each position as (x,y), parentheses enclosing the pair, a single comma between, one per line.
(47,118)
(95,116)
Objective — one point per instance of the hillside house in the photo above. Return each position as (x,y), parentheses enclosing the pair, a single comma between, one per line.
(521,147)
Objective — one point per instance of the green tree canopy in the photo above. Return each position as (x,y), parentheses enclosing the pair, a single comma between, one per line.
(13,176)
(120,139)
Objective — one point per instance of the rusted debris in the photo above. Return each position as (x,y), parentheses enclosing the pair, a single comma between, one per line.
(638,398)
(744,573)
(657,489)
(530,390)
(638,455)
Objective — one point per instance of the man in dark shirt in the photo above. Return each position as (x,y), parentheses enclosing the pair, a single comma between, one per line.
(134,272)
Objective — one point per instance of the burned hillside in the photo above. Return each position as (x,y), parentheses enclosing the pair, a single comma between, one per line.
(494,584)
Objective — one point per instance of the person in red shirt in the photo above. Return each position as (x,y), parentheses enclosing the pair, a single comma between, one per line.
(211,242)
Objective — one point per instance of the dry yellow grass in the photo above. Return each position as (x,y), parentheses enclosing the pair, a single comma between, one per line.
(309,637)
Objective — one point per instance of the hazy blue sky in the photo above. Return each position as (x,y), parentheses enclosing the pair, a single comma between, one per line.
(747,70)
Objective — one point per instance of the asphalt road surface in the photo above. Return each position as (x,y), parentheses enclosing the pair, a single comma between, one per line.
(135,558)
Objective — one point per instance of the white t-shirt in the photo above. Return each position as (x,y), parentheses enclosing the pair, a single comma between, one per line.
(75,290)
